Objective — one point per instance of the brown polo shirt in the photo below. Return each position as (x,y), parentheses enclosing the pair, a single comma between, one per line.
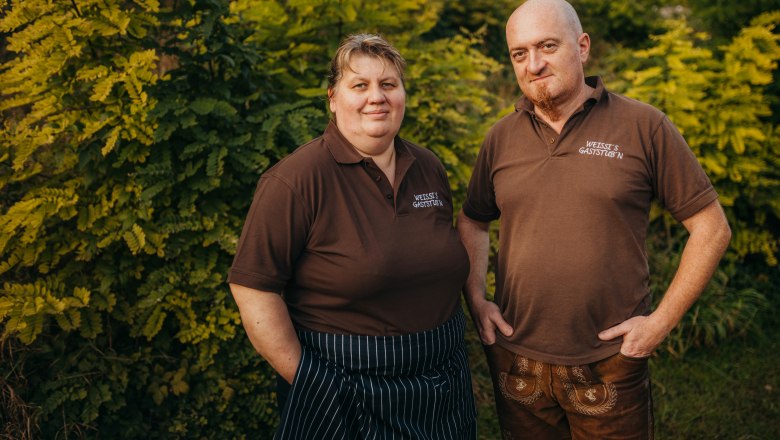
(350,253)
(574,213)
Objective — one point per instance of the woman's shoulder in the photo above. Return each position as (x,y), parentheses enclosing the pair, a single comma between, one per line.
(302,160)
(424,155)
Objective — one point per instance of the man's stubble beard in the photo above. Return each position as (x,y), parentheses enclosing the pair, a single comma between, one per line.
(545,102)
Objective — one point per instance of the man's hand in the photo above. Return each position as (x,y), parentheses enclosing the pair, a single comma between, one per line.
(709,237)
(641,336)
(487,317)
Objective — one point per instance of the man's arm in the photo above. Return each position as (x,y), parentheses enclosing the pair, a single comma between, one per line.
(486,315)
(709,238)
(269,327)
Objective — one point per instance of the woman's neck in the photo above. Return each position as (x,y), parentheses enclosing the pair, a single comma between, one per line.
(385,161)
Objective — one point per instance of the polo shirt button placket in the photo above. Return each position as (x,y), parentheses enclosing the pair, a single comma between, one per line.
(377,178)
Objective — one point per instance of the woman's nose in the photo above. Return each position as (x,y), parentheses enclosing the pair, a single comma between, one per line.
(376,95)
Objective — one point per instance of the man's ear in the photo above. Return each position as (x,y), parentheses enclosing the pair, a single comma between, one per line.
(584,44)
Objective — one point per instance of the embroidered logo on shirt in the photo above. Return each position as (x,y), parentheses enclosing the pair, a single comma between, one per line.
(595,148)
(427,200)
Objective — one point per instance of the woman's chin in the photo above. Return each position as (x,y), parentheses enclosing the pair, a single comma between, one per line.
(380,131)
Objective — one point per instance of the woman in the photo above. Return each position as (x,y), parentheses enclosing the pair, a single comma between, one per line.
(354,230)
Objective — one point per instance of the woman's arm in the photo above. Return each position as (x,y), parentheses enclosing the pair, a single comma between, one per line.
(269,327)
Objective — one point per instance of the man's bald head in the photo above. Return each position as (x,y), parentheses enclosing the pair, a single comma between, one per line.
(548,49)
(561,8)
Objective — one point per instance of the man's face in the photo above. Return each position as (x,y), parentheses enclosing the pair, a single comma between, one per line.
(547,57)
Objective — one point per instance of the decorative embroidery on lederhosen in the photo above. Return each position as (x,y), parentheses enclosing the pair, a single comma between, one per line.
(588,398)
(520,388)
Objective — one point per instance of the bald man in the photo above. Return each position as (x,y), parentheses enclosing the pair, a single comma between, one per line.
(572,173)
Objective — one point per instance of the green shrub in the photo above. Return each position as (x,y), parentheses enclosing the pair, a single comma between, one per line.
(724,309)
(133,136)
(718,98)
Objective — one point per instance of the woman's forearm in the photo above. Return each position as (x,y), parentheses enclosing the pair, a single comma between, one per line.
(269,327)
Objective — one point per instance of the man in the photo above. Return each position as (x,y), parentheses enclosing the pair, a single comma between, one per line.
(572,173)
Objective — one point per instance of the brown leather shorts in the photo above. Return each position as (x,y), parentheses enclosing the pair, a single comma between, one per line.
(607,399)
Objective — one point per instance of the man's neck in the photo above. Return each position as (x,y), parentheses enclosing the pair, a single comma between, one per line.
(557,118)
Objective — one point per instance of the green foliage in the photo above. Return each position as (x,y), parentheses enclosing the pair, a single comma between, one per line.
(724,308)
(725,18)
(133,136)
(725,392)
(134,132)
(448,105)
(115,232)
(718,100)
(475,16)
(624,22)
(450,117)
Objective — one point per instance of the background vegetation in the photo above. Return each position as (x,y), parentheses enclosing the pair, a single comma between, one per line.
(133,133)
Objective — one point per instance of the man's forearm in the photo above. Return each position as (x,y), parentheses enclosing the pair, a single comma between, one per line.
(708,240)
(475,238)
(486,314)
(709,237)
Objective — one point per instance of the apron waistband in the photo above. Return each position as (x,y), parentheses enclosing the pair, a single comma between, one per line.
(407,354)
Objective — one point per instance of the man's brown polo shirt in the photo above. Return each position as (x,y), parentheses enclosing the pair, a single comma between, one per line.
(351,254)
(574,213)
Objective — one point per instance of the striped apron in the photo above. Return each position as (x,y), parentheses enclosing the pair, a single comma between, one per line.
(413,386)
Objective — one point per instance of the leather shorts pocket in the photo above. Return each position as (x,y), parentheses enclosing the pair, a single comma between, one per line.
(587,393)
(522,383)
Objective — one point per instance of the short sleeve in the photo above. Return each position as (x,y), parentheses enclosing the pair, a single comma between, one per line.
(480,201)
(274,235)
(680,183)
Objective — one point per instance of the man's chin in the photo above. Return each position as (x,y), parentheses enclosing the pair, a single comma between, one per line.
(548,108)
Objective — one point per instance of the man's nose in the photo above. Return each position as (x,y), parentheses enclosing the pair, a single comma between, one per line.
(536,62)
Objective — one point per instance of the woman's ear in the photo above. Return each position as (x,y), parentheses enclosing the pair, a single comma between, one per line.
(331,105)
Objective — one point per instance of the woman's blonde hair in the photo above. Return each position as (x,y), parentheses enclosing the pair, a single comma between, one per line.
(363,44)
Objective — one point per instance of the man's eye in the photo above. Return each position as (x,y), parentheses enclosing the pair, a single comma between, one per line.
(518,55)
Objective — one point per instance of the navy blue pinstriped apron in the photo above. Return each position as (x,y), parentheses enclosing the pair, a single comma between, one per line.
(414,386)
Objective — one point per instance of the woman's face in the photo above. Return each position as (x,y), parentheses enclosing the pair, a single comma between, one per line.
(369,102)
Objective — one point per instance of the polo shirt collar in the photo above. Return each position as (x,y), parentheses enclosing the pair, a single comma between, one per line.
(343,152)
(599,92)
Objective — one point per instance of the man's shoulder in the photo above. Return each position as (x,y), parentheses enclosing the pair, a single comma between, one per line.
(508,124)
(631,108)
